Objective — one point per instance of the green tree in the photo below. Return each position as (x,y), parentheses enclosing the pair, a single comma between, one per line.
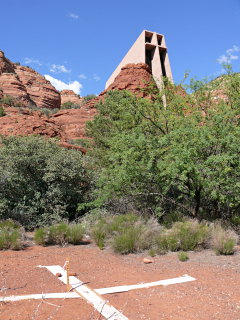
(41,183)
(174,152)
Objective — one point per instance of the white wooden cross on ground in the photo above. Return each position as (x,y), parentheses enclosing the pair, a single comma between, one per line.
(93,296)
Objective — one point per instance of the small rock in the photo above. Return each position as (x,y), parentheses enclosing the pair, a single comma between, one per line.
(145,260)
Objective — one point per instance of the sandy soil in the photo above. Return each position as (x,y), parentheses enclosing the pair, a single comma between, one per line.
(215,294)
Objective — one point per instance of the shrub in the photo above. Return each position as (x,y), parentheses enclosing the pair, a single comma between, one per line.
(190,234)
(152,252)
(75,233)
(166,242)
(70,105)
(127,241)
(41,236)
(11,235)
(99,233)
(60,234)
(223,241)
(184,235)
(183,256)
(41,183)
(89,97)
(125,233)
(8,100)
(2,112)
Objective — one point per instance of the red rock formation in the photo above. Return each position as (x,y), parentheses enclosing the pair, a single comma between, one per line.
(23,122)
(133,77)
(27,85)
(72,122)
(40,90)
(5,64)
(67,124)
(70,96)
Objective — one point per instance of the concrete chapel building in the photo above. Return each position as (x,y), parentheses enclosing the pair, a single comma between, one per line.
(149,48)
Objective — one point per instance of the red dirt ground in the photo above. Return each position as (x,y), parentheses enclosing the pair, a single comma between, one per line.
(215,294)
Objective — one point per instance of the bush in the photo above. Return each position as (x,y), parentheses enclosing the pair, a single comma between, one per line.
(11,235)
(99,233)
(48,112)
(152,252)
(41,236)
(127,241)
(41,183)
(8,100)
(184,235)
(183,256)
(60,234)
(2,112)
(75,233)
(173,157)
(190,234)
(223,241)
(89,97)
(70,105)
(125,233)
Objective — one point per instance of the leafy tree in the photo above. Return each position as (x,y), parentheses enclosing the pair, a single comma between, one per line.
(41,183)
(174,152)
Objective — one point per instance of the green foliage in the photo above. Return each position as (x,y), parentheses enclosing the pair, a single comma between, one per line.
(41,236)
(47,112)
(152,252)
(127,241)
(8,100)
(125,233)
(70,105)
(2,112)
(85,143)
(41,183)
(89,97)
(60,234)
(11,235)
(184,235)
(75,233)
(181,156)
(222,240)
(183,256)
(99,232)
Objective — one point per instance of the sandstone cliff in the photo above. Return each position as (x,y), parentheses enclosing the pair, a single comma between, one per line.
(70,96)
(30,87)
(27,85)
(133,77)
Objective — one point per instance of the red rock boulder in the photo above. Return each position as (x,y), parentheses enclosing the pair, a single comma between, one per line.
(70,96)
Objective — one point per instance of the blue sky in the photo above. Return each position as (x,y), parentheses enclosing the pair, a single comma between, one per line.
(78,44)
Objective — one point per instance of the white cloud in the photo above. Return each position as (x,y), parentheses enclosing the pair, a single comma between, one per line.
(55,68)
(82,76)
(96,77)
(229,56)
(60,85)
(73,16)
(32,61)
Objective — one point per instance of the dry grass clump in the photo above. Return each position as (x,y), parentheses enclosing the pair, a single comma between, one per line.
(11,235)
(184,235)
(60,234)
(125,233)
(223,240)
